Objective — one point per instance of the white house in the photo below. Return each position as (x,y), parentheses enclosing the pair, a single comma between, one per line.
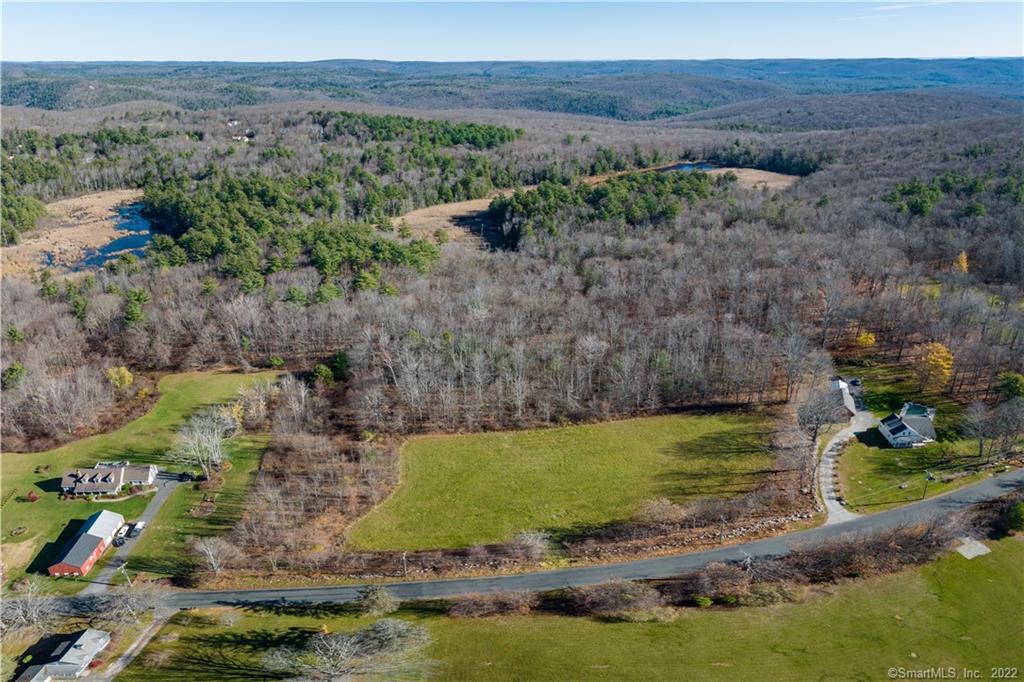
(70,659)
(913,427)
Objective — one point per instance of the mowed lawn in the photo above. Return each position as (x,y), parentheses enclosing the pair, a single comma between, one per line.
(162,551)
(875,476)
(460,490)
(955,612)
(49,521)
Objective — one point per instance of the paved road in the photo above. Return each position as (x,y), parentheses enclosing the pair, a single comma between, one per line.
(165,485)
(828,467)
(660,567)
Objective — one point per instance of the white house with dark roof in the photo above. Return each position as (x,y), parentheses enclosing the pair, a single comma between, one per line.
(107,478)
(912,427)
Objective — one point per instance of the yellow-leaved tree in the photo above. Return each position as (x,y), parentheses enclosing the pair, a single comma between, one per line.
(120,378)
(933,365)
(961,262)
(866,339)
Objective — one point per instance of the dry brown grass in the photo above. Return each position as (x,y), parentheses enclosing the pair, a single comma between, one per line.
(70,228)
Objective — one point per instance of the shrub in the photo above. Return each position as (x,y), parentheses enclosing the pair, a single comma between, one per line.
(339,365)
(498,604)
(32,496)
(660,614)
(703,602)
(323,375)
(376,600)
(533,545)
(12,376)
(276,361)
(1015,517)
(616,599)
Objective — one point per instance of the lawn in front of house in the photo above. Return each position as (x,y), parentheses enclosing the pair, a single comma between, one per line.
(460,490)
(46,521)
(162,550)
(954,612)
(875,476)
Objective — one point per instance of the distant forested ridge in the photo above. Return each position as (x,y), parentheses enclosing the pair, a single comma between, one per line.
(633,90)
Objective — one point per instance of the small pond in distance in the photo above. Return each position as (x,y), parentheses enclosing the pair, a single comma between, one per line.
(137,234)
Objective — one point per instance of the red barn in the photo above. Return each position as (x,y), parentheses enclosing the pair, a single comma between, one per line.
(88,546)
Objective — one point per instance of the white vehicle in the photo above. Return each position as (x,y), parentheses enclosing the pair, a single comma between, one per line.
(137,529)
(121,532)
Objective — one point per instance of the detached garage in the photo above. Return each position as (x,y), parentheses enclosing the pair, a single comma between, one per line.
(82,552)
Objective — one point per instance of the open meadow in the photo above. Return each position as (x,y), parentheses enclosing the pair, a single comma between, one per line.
(459,490)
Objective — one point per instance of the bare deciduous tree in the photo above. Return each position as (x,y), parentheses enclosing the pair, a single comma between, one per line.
(390,649)
(201,441)
(32,610)
(213,552)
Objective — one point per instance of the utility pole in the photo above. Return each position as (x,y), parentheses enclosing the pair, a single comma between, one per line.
(927,477)
(124,570)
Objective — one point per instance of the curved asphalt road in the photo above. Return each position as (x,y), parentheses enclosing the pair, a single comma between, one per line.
(660,567)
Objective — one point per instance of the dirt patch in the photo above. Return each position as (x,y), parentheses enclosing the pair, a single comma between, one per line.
(16,554)
(463,221)
(751,178)
(70,228)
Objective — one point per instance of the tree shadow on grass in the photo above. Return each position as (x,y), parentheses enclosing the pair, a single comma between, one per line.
(180,569)
(739,442)
(279,607)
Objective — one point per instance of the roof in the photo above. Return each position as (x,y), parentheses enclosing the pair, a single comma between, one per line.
(139,472)
(923,425)
(842,389)
(82,648)
(93,480)
(70,658)
(79,551)
(103,524)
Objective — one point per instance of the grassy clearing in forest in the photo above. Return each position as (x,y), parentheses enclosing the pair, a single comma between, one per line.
(955,612)
(46,521)
(872,473)
(460,490)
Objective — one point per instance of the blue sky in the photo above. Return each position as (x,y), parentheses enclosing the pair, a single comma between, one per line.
(508,31)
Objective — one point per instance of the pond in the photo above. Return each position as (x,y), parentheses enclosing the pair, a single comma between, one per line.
(137,234)
(691,166)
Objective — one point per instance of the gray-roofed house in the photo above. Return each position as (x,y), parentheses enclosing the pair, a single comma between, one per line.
(88,545)
(107,478)
(912,427)
(70,659)
(844,395)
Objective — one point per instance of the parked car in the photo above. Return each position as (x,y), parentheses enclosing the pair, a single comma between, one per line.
(119,541)
(137,529)
(122,531)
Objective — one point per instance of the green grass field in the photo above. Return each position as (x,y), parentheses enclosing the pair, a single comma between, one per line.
(466,489)
(954,612)
(872,472)
(162,550)
(143,440)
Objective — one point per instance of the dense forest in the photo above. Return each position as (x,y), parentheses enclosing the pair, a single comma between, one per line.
(278,246)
